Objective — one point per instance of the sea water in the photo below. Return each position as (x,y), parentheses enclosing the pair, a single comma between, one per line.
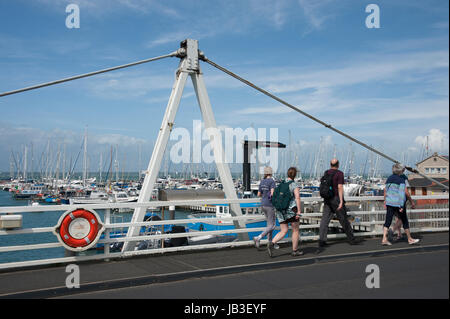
(49,219)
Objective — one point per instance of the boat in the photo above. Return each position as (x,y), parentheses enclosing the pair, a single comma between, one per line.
(34,204)
(122,197)
(353,189)
(52,199)
(29,192)
(95,197)
(223,211)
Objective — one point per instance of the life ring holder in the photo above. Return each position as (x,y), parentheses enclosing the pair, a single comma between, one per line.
(79,229)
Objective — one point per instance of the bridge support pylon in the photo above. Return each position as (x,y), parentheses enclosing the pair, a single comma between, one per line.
(189,66)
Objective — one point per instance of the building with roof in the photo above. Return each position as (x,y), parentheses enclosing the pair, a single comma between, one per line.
(435,166)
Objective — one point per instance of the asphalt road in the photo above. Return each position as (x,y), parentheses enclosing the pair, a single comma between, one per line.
(414,275)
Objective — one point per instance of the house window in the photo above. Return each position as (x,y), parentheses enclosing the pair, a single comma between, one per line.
(435,170)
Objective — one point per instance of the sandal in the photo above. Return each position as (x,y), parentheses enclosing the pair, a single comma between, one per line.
(397,237)
(386,243)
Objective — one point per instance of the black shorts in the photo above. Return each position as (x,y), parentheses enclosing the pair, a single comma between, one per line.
(290,220)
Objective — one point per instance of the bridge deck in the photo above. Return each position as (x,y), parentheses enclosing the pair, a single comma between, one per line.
(97,278)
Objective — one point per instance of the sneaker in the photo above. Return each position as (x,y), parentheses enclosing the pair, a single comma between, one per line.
(415,241)
(270,249)
(355,241)
(297,253)
(323,244)
(257,242)
(275,246)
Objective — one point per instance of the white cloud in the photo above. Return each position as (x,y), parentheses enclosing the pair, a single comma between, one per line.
(225,18)
(101,7)
(364,69)
(314,12)
(436,140)
(23,135)
(276,12)
(124,85)
(320,90)
(265,110)
(440,25)
(172,37)
(117,139)
(328,140)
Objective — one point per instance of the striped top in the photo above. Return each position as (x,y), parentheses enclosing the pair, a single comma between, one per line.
(395,191)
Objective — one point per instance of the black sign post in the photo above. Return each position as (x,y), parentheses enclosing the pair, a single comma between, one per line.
(248,149)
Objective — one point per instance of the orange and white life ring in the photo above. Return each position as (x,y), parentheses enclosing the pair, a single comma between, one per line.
(79,229)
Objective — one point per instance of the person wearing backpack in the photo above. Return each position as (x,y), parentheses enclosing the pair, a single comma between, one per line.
(395,195)
(396,231)
(286,200)
(332,192)
(265,191)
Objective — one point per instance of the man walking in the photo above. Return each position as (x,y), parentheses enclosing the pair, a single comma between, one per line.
(335,205)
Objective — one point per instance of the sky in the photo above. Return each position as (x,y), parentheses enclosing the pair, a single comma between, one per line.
(386,86)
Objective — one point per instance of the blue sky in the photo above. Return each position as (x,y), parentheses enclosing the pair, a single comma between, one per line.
(387,87)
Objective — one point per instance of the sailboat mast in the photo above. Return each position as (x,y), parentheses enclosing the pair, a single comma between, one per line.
(85,158)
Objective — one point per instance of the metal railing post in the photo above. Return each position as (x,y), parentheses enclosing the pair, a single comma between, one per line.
(107,232)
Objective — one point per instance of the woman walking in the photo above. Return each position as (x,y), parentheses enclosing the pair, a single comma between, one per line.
(289,216)
(398,223)
(266,188)
(395,194)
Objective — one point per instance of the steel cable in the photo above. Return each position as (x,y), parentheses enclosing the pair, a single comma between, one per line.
(317,120)
(76,77)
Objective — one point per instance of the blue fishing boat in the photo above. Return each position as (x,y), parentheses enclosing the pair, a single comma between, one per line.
(223,211)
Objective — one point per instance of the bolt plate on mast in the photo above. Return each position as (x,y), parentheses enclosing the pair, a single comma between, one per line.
(191,48)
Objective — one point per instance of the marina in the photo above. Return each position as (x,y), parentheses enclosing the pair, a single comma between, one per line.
(200,228)
(48,221)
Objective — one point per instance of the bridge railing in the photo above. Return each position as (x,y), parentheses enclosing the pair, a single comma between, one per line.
(368,213)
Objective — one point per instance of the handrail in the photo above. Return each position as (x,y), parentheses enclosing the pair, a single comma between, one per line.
(109,227)
(209,219)
(152,204)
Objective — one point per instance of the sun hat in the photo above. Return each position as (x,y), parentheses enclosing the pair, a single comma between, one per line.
(267,170)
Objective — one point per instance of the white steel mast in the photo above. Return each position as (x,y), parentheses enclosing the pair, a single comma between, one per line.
(189,66)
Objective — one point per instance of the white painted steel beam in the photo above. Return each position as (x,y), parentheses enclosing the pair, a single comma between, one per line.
(188,65)
(216,142)
(158,151)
